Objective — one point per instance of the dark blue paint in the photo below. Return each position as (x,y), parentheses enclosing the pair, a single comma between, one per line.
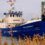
(28,29)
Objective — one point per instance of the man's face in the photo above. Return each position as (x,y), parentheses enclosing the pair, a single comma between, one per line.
(44,13)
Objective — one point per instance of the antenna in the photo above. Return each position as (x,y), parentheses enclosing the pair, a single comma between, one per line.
(12,8)
(11,3)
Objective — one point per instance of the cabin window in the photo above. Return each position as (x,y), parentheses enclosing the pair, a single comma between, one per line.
(13,15)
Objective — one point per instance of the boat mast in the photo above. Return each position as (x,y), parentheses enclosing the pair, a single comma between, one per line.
(11,3)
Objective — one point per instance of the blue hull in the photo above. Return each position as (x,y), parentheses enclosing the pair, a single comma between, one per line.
(27,29)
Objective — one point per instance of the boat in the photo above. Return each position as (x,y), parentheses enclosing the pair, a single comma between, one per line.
(15,24)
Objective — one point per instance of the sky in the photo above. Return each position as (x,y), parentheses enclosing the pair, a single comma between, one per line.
(30,8)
